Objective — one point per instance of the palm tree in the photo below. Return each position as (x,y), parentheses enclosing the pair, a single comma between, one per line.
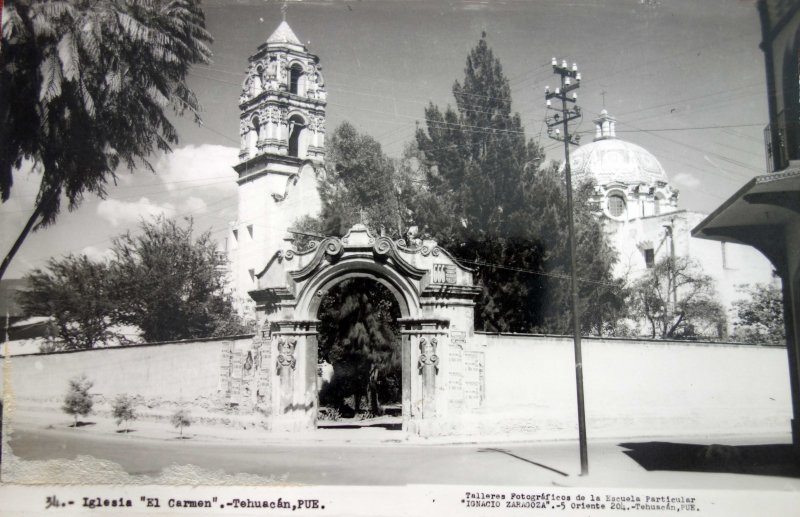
(85,88)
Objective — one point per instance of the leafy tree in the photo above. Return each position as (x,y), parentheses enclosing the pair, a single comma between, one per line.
(169,283)
(360,177)
(86,85)
(760,315)
(360,338)
(180,419)
(678,301)
(124,410)
(162,280)
(78,401)
(79,295)
(488,200)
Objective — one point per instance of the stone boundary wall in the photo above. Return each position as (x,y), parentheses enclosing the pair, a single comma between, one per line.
(632,387)
(180,371)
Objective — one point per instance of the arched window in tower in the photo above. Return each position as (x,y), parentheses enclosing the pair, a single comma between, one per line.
(616,205)
(296,79)
(255,82)
(253,135)
(297,144)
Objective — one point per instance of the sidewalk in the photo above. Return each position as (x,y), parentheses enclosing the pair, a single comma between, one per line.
(758,462)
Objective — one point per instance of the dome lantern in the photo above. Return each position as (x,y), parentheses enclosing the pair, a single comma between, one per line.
(629,181)
(605,126)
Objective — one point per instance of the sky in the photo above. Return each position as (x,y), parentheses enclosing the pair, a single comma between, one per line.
(685,80)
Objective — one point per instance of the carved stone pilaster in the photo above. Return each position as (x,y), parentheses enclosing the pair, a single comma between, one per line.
(286,357)
(427,356)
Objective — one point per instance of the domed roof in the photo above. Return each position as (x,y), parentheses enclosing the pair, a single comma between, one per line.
(609,159)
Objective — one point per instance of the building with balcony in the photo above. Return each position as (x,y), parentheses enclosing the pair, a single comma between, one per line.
(765,212)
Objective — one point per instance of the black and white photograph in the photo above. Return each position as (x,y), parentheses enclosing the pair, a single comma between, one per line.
(400,257)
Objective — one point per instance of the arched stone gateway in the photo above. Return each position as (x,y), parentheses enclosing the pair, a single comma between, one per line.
(436,298)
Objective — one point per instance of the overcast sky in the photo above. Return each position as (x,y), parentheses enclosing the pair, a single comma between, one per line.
(684,78)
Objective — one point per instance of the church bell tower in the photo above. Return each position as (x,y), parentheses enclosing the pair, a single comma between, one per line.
(282,132)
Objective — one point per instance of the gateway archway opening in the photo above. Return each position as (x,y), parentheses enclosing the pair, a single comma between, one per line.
(360,356)
(434,297)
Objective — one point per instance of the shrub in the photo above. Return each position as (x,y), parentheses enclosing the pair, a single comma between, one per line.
(181,418)
(328,414)
(78,401)
(123,409)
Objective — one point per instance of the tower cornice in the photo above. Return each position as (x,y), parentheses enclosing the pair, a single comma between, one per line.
(280,97)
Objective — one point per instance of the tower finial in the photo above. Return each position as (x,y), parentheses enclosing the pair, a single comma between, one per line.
(603,93)
(284,8)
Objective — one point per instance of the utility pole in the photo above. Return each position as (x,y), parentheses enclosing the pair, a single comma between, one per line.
(570,80)
(669,229)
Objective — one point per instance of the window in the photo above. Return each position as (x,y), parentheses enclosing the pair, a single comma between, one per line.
(250,230)
(252,273)
(657,205)
(236,235)
(649,258)
(296,126)
(616,205)
(294,79)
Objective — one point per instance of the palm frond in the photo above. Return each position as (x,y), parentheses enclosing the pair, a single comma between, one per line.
(13,28)
(50,73)
(68,55)
(86,97)
(113,80)
(158,96)
(42,26)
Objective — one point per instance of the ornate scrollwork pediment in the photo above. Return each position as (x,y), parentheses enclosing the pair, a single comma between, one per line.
(330,249)
(385,249)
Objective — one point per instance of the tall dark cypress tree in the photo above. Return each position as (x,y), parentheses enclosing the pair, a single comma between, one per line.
(488,201)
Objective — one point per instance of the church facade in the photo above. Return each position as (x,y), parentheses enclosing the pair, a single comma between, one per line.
(642,217)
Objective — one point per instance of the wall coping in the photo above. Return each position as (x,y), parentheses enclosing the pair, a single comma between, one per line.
(142,345)
(642,340)
(632,340)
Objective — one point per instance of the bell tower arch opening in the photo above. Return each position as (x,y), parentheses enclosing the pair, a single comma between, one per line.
(296,79)
(297,141)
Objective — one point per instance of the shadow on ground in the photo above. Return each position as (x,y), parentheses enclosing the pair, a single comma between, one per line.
(767,460)
(83,424)
(389,427)
(509,453)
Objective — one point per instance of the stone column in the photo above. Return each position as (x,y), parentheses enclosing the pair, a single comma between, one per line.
(286,365)
(428,366)
(296,371)
(421,393)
